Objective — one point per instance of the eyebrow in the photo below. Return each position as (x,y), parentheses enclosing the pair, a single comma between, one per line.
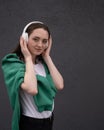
(39,37)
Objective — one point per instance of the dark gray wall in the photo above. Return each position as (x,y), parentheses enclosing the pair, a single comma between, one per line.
(77,28)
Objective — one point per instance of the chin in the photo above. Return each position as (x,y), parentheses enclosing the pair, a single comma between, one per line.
(37,54)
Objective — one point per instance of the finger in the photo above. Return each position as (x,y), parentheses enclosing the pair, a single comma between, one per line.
(50,40)
(21,42)
(50,43)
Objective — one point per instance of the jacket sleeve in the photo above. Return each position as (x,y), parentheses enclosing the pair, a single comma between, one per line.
(13,70)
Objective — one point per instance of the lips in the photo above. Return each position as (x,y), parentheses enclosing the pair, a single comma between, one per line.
(37,49)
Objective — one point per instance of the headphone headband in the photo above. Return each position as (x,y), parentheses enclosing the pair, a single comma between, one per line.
(24,30)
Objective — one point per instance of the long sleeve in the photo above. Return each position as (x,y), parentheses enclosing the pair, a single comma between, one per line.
(13,70)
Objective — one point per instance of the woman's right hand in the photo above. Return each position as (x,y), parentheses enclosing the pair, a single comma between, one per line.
(24,49)
(29,87)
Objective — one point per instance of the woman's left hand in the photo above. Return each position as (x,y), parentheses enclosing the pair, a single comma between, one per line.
(47,51)
(56,76)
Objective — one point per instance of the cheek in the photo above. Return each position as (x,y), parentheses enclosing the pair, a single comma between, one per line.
(44,47)
(29,47)
(30,44)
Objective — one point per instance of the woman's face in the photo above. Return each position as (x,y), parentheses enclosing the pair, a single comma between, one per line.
(38,41)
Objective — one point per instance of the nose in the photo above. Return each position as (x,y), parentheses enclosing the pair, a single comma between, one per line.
(40,43)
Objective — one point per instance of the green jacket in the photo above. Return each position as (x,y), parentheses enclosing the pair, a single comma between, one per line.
(14,70)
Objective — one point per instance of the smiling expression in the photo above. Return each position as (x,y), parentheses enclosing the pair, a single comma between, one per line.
(38,41)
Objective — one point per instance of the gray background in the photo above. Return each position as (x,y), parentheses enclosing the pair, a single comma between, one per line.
(77,27)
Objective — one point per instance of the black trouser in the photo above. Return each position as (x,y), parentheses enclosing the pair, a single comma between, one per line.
(29,123)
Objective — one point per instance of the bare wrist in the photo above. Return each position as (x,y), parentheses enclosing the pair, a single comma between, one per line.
(47,57)
(28,59)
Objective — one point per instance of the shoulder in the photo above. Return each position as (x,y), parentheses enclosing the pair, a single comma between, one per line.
(11,57)
(11,60)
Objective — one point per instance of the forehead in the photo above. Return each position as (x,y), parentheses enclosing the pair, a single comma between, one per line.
(40,32)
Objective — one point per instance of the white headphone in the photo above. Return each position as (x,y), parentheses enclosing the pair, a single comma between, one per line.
(24,33)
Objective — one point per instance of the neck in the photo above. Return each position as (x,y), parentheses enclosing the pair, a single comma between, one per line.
(35,59)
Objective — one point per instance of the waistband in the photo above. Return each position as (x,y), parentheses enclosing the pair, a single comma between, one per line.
(37,119)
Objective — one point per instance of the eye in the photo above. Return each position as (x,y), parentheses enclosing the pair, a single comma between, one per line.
(36,39)
(45,41)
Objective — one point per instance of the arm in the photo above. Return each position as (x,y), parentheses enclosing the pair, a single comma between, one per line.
(56,76)
(30,81)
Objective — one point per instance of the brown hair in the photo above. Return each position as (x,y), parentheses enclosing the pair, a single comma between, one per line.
(29,30)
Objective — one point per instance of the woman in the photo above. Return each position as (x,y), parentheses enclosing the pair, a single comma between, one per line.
(32,79)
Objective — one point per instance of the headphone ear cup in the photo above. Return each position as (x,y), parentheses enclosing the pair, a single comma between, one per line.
(25,36)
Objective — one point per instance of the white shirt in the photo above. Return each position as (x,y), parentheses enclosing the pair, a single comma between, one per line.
(27,102)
